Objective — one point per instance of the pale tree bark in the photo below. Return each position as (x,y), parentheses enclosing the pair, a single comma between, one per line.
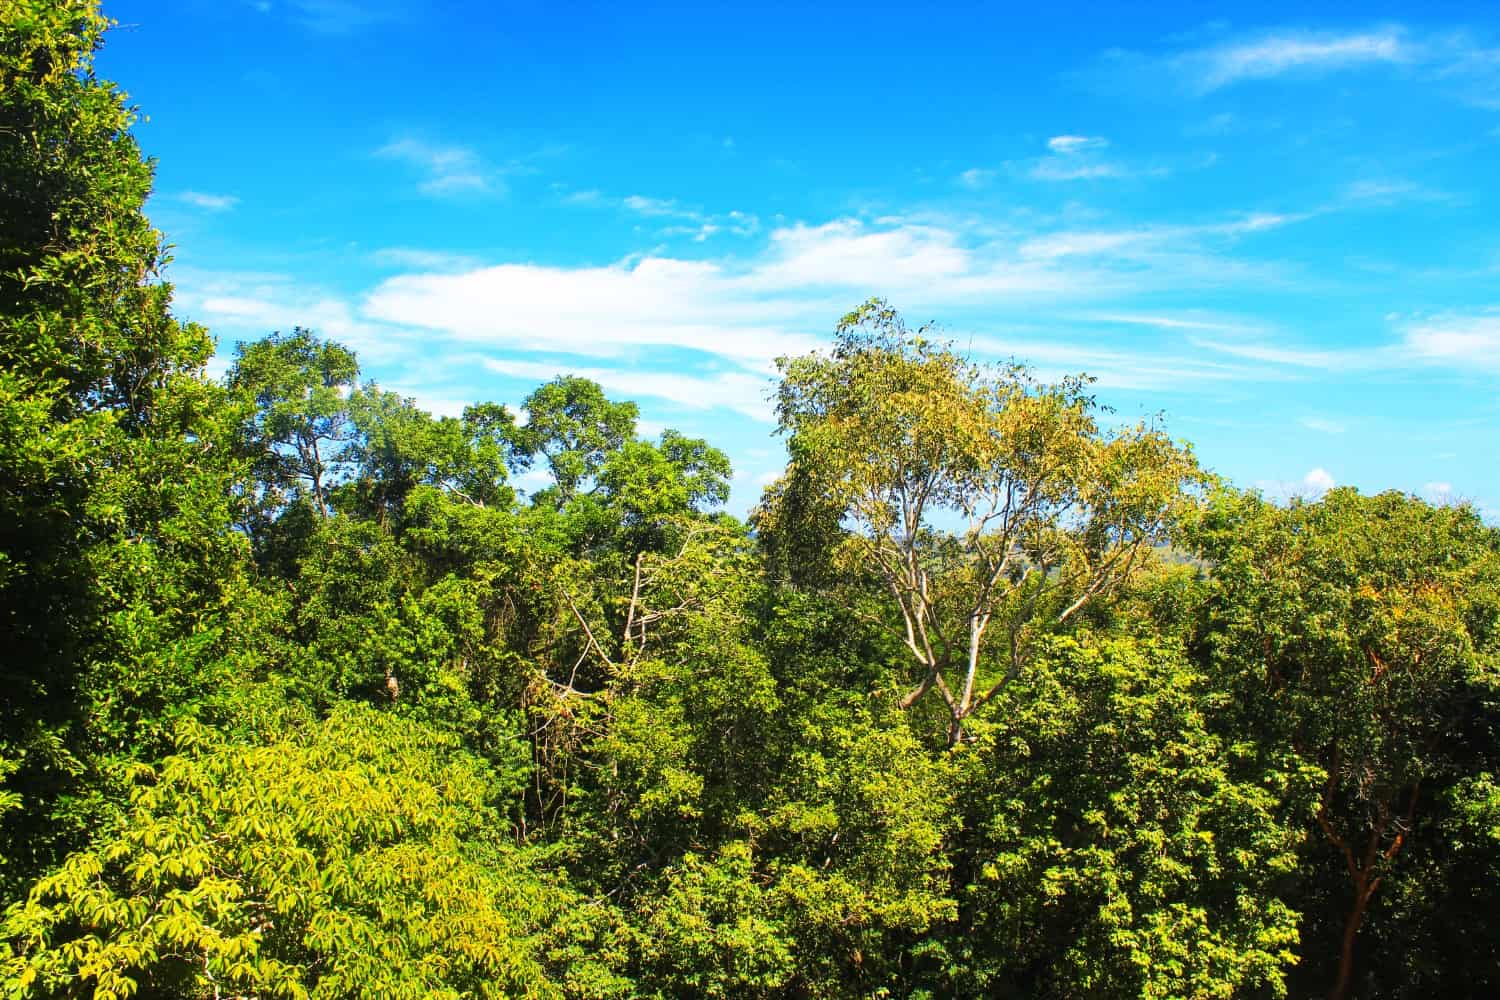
(995,519)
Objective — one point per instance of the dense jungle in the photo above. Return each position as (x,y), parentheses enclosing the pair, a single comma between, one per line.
(991,695)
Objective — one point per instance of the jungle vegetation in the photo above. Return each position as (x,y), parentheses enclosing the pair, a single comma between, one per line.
(988,697)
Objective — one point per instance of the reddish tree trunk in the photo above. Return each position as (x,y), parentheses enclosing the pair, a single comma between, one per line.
(1356,917)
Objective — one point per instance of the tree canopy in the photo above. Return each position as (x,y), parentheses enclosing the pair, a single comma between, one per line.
(309,693)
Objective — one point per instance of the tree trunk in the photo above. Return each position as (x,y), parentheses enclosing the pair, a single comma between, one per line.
(1356,917)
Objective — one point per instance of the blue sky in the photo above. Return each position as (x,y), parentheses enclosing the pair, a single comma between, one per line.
(1276,225)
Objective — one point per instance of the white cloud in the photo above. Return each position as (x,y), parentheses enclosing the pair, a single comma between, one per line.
(209,202)
(447,170)
(338,17)
(1392,191)
(975,178)
(1277,54)
(250,305)
(1133,243)
(1070,160)
(742,223)
(1323,425)
(1073,159)
(1087,244)
(1292,357)
(699,233)
(704,331)
(1312,486)
(1075,143)
(424,260)
(1439,493)
(1317,482)
(746,312)
(655,302)
(657,207)
(739,391)
(850,254)
(694,223)
(1169,322)
(1464,341)
(456,183)
(1069,170)
(783,299)
(1138,367)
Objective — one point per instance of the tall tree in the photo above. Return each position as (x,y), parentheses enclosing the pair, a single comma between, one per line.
(115,463)
(574,426)
(989,507)
(300,424)
(1360,633)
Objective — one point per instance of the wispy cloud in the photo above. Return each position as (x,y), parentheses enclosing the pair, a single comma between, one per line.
(1467,67)
(1277,54)
(1469,341)
(1170,322)
(976,177)
(1139,366)
(744,312)
(1323,425)
(1068,170)
(1292,357)
(681,219)
(642,205)
(1391,191)
(424,260)
(743,392)
(1066,144)
(725,318)
(1077,158)
(1151,240)
(446,170)
(245,305)
(209,202)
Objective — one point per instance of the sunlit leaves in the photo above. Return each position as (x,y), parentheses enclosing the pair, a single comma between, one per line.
(362,857)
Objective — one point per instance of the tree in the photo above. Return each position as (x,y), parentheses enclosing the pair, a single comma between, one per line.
(359,857)
(979,500)
(116,457)
(574,427)
(300,424)
(1112,844)
(397,446)
(1359,633)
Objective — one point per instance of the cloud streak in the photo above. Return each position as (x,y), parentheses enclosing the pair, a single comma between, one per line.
(704,332)
(209,202)
(1278,54)
(446,170)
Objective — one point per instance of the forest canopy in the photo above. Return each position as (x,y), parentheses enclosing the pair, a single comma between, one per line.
(989,696)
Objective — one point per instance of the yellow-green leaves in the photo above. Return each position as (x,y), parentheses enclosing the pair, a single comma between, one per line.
(990,508)
(359,858)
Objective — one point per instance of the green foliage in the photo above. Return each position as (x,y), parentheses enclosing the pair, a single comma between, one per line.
(1120,847)
(116,459)
(299,424)
(983,502)
(574,427)
(361,858)
(303,699)
(1360,634)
